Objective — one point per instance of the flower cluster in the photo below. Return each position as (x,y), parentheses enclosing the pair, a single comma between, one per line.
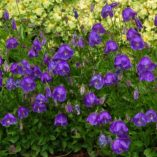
(145,69)
(55,74)
(141,119)
(99,118)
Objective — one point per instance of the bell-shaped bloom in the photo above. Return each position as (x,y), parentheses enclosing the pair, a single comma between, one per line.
(98,28)
(147,76)
(110,79)
(27,84)
(128,14)
(64,53)
(151,116)
(94,39)
(59,67)
(138,23)
(102,140)
(45,77)
(39,107)
(59,93)
(139,119)
(137,43)
(92,118)
(41,99)
(22,112)
(104,117)
(121,145)
(61,120)
(107,10)
(8,120)
(11,43)
(90,100)
(69,108)
(145,64)
(122,62)
(132,33)
(10,84)
(97,81)
(111,46)
(6,15)
(119,128)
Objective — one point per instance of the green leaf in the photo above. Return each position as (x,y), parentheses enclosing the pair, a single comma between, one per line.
(44,154)
(18,148)
(150,153)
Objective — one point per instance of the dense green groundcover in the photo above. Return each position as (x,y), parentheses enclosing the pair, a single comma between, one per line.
(37,135)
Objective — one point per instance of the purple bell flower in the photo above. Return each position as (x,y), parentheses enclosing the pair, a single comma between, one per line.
(59,93)
(110,79)
(11,43)
(97,81)
(60,68)
(39,107)
(27,84)
(104,117)
(26,68)
(90,100)
(98,28)
(155,20)
(48,92)
(111,46)
(139,119)
(10,85)
(137,43)
(121,145)
(92,118)
(138,23)
(41,99)
(45,77)
(37,45)
(119,128)
(22,112)
(151,116)
(69,108)
(122,62)
(145,64)
(132,33)
(107,10)
(102,140)
(114,4)
(94,39)
(61,120)
(36,72)
(15,68)
(147,76)
(64,53)
(32,53)
(14,25)
(6,15)
(8,120)
(128,14)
